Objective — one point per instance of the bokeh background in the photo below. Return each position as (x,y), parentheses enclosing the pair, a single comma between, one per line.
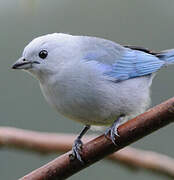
(147,23)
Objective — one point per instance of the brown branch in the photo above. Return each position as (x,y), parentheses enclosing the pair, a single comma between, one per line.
(51,143)
(62,167)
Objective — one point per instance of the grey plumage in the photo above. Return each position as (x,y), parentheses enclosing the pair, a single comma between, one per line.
(92,80)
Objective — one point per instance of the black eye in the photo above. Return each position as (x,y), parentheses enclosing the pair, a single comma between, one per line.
(43,54)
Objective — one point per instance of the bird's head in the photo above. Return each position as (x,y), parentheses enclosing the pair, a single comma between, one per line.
(46,54)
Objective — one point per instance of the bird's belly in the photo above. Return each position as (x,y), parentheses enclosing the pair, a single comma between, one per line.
(100,106)
(83,112)
(85,109)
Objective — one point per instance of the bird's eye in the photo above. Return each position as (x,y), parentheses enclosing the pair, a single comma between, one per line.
(43,54)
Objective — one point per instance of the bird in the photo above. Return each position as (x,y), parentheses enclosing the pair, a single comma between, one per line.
(92,80)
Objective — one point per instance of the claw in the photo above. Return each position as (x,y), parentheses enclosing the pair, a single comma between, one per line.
(112,132)
(77,146)
(76,150)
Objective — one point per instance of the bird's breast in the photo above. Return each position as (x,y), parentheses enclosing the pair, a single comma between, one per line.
(87,97)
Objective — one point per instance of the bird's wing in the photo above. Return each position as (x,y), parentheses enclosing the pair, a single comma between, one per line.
(133,64)
(124,63)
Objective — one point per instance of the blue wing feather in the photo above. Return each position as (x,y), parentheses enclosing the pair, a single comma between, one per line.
(131,64)
(135,64)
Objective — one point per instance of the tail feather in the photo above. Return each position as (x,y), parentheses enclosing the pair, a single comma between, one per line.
(167,56)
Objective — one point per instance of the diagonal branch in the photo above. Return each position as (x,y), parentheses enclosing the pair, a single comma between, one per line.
(144,124)
(51,143)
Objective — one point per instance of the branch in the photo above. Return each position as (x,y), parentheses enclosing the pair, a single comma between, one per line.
(51,143)
(144,124)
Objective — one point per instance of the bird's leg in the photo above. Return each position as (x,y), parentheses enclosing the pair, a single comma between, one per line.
(112,131)
(77,146)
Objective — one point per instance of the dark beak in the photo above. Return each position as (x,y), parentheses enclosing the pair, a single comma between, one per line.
(23,64)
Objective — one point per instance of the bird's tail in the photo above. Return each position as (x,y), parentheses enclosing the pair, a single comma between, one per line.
(167,56)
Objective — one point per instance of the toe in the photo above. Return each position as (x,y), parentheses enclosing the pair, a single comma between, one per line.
(76,149)
(113,136)
(112,132)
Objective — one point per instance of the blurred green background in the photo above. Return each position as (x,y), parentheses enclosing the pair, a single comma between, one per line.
(147,23)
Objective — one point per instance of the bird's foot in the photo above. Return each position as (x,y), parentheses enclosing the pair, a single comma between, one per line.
(77,149)
(112,131)
(77,146)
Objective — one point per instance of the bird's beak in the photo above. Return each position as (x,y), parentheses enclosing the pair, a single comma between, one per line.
(23,64)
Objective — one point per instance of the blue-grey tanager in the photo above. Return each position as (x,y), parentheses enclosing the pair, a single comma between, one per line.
(92,80)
